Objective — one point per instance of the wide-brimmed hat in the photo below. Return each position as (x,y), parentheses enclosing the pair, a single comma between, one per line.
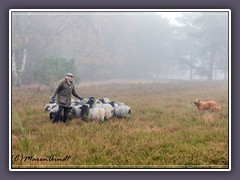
(70,74)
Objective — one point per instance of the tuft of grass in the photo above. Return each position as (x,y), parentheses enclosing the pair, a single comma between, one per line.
(25,144)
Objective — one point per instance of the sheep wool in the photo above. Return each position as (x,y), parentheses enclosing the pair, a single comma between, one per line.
(95,113)
(122,111)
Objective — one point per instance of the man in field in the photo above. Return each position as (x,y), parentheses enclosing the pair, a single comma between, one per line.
(64,90)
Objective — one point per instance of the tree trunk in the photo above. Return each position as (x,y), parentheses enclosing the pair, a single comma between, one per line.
(14,71)
(17,73)
(210,72)
(191,66)
(226,71)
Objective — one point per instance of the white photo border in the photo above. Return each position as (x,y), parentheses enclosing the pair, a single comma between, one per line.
(118,10)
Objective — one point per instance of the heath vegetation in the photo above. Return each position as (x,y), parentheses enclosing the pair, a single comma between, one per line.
(165,130)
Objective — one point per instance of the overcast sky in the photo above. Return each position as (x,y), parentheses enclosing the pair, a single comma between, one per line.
(171,16)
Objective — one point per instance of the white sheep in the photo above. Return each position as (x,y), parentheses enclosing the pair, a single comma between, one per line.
(96,113)
(80,102)
(114,104)
(74,111)
(52,109)
(122,111)
(53,112)
(105,100)
(109,110)
(49,106)
(120,103)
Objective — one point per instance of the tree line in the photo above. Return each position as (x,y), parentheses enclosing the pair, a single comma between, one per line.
(118,45)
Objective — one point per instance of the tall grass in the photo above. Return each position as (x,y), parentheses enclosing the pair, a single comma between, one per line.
(165,129)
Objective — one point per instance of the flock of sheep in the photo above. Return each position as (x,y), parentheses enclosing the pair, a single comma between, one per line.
(90,109)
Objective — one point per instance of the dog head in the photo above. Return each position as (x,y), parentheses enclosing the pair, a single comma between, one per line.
(196,102)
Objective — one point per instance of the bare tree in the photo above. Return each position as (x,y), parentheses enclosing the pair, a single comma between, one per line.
(20,41)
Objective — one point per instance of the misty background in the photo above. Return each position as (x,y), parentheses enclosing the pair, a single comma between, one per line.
(97,46)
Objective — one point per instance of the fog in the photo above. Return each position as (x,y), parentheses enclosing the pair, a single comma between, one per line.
(118,45)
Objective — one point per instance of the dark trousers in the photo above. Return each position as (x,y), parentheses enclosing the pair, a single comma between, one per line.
(59,114)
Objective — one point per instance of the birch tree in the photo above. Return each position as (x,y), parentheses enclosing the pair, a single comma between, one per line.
(20,40)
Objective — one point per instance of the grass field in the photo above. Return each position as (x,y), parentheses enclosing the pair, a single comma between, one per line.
(165,129)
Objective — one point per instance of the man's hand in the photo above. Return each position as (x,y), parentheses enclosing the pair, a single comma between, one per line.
(52,100)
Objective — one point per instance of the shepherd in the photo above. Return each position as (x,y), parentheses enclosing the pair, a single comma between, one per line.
(64,90)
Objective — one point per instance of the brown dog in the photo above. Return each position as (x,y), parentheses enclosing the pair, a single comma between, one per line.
(206,105)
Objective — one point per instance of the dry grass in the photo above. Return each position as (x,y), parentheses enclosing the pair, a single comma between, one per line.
(165,129)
